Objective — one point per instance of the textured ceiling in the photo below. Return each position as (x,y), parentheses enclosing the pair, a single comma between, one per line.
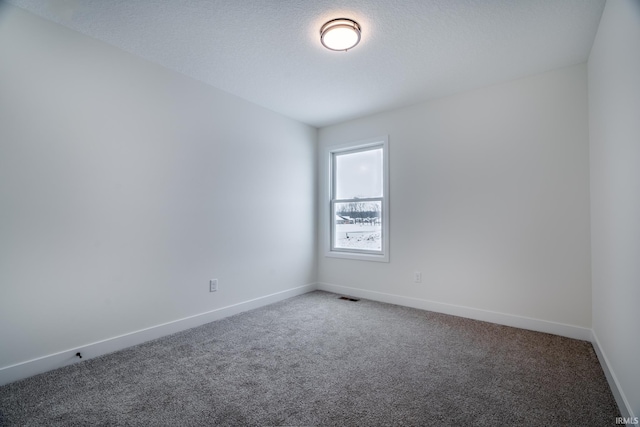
(269,51)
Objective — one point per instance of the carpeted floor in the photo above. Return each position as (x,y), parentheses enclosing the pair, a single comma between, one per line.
(319,360)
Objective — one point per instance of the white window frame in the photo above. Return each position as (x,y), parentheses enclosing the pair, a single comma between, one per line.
(329,200)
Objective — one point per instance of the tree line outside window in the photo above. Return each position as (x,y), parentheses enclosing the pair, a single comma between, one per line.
(360,212)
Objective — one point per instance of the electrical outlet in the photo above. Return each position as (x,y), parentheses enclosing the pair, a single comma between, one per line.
(213,285)
(417,277)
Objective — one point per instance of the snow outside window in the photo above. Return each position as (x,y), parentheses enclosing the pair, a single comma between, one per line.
(358,202)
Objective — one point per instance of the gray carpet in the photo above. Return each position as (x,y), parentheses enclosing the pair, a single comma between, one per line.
(319,360)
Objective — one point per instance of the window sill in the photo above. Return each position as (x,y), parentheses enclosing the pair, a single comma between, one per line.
(357,256)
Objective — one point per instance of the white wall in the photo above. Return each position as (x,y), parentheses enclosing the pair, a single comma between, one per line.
(124,187)
(614,127)
(489,200)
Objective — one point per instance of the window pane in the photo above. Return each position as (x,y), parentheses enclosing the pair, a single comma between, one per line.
(359,175)
(357,225)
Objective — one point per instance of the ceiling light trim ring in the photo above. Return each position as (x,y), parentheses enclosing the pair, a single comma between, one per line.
(337,24)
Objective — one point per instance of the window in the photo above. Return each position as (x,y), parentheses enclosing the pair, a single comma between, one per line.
(359,200)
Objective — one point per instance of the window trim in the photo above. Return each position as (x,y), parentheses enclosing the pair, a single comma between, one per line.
(328,201)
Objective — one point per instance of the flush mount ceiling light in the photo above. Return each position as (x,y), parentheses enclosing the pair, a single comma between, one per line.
(340,34)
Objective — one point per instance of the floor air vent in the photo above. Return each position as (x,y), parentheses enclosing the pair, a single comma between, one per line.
(349,299)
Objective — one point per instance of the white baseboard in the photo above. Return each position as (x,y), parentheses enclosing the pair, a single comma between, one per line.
(46,363)
(618,394)
(521,322)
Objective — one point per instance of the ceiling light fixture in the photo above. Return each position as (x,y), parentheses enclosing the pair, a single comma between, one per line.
(340,34)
